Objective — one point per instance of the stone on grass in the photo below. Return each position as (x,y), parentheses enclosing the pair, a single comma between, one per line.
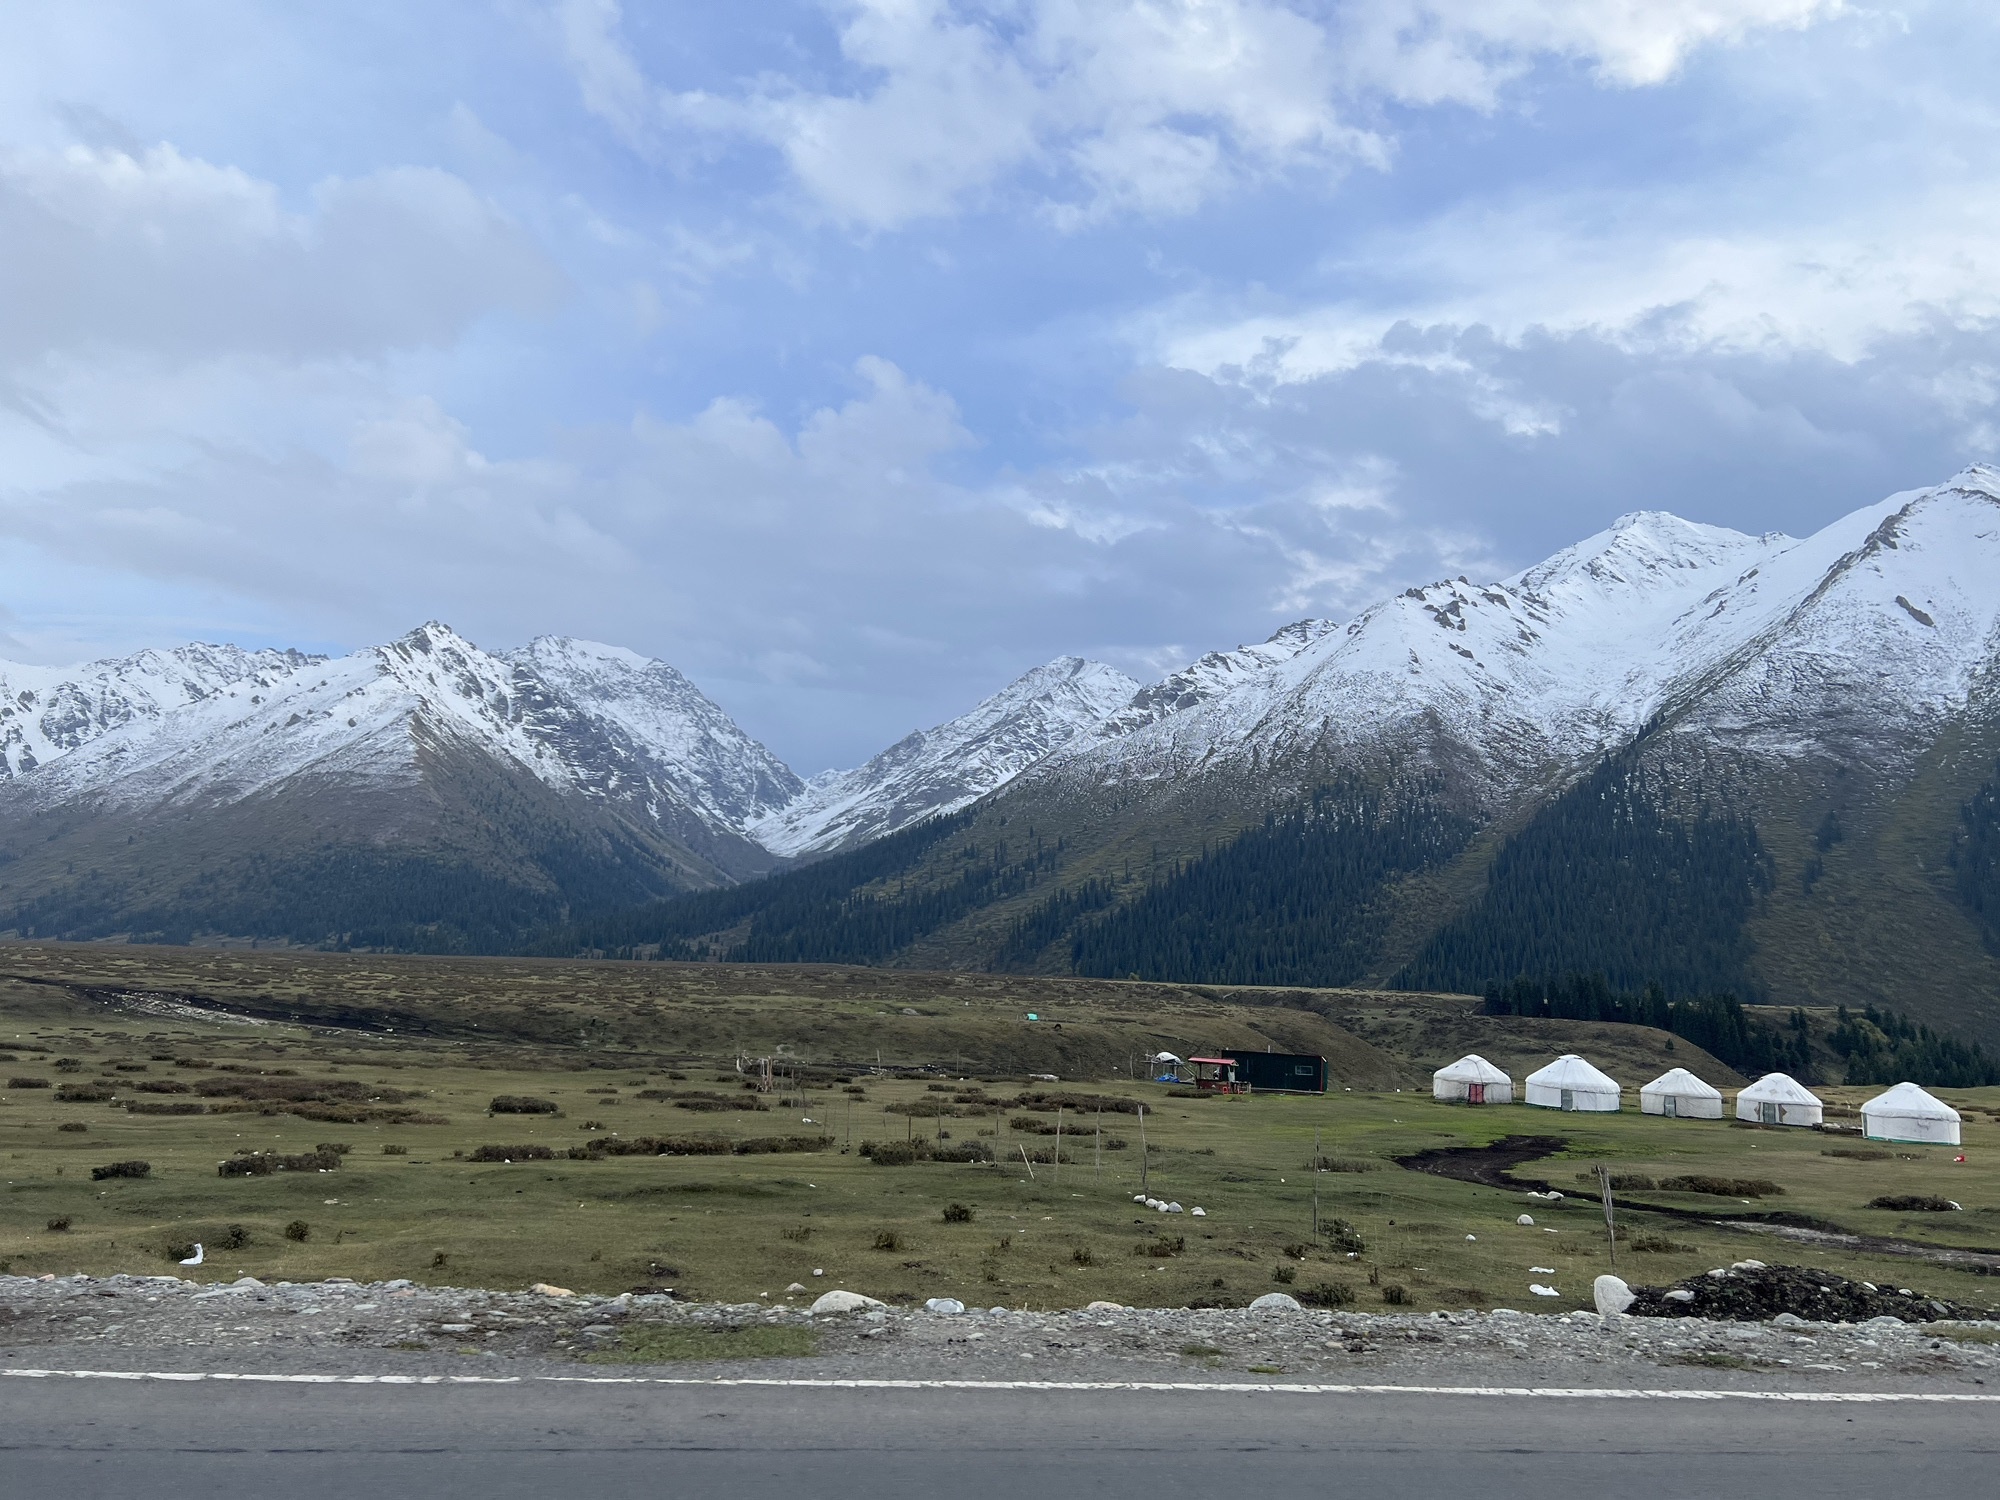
(797,1286)
(843,1302)
(546,1289)
(949,1307)
(1276,1302)
(1104,1307)
(1527,1219)
(1611,1294)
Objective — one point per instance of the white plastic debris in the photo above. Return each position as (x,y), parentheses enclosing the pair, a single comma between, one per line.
(1611,1295)
(843,1302)
(1527,1219)
(1543,1291)
(949,1307)
(1541,1270)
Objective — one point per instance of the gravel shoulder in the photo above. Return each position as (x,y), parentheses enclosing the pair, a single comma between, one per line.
(395,1327)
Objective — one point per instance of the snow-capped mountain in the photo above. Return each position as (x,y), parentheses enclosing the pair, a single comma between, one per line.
(944,768)
(46,712)
(1886,614)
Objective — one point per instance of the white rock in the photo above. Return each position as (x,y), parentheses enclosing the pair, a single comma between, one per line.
(1541,1270)
(1138,1197)
(1276,1302)
(1199,1213)
(549,1289)
(949,1307)
(1527,1219)
(1610,1294)
(1104,1307)
(1472,1236)
(1175,1208)
(1748,1265)
(843,1302)
(797,1286)
(818,1272)
(1679,1295)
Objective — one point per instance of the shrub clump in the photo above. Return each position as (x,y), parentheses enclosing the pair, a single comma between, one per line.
(1343,1236)
(1346,1164)
(1325,1294)
(121,1169)
(1396,1294)
(264,1163)
(187,1107)
(28,1083)
(73,1127)
(395,1150)
(1914,1203)
(888,1239)
(84,1093)
(1721,1187)
(510,1153)
(599,1147)
(59,1224)
(298,1231)
(1621,1182)
(908,1153)
(522,1104)
(957,1213)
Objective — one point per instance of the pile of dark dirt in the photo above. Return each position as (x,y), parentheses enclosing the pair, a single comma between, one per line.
(1490,1166)
(1753,1293)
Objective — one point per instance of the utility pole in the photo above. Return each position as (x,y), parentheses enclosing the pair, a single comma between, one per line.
(1610,1219)
(1142,1148)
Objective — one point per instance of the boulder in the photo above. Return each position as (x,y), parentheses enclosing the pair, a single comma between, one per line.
(1611,1294)
(1276,1302)
(843,1302)
(949,1307)
(545,1289)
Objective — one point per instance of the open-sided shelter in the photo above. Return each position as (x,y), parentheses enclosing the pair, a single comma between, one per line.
(1472,1080)
(1776,1099)
(1678,1094)
(1571,1083)
(1907,1113)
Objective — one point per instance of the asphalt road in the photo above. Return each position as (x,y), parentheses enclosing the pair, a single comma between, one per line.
(84,1439)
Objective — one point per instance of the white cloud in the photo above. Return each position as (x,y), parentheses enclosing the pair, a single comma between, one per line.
(1149,106)
(171,255)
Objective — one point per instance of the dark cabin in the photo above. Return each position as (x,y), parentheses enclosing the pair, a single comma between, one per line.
(1279,1072)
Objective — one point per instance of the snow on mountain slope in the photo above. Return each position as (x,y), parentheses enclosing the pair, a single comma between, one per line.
(1548,668)
(47,712)
(692,744)
(942,769)
(574,716)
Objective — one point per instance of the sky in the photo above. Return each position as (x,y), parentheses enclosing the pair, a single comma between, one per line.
(856,357)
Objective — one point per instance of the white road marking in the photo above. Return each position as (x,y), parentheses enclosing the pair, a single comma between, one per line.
(1211,1387)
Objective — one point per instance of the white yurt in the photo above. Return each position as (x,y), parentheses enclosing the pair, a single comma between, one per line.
(1907,1113)
(1472,1080)
(1776,1099)
(1571,1083)
(1678,1094)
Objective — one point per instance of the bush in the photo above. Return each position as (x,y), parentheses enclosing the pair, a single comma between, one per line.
(1621,1182)
(338,1148)
(84,1093)
(298,1231)
(264,1163)
(393,1150)
(1162,1249)
(136,1107)
(1326,1294)
(59,1224)
(1857,1153)
(1914,1203)
(1396,1294)
(1343,1236)
(121,1169)
(163,1086)
(1657,1244)
(235,1237)
(1284,1275)
(1346,1164)
(522,1104)
(1082,1257)
(73,1127)
(957,1213)
(1297,1251)
(1721,1187)
(798,1233)
(888,1239)
(28,1083)
(510,1153)
(69,1065)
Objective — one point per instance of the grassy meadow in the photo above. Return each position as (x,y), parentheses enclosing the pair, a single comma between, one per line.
(408,1199)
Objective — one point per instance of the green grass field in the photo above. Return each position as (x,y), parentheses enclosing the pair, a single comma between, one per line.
(737,1227)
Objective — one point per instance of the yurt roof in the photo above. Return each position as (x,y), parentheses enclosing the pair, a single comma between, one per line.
(1472,1068)
(1572,1072)
(1909,1102)
(1777,1088)
(1682,1084)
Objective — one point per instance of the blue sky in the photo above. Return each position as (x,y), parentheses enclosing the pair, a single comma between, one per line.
(857,357)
